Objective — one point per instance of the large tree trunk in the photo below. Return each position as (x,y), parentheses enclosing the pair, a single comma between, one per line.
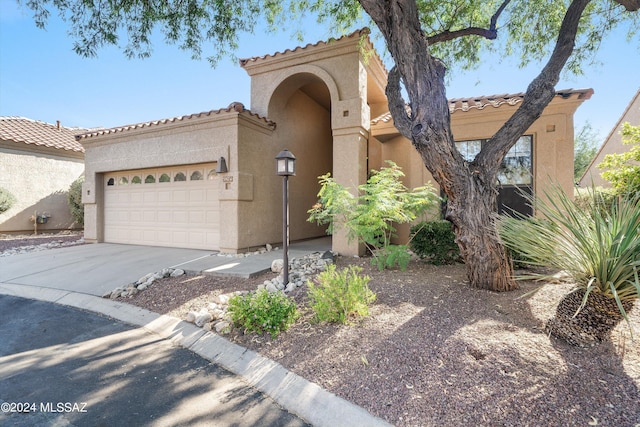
(469,186)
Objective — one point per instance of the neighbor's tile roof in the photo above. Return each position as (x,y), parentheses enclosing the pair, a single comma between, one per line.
(33,132)
(495,101)
(234,106)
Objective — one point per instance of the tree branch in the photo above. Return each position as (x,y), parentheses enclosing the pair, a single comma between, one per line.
(629,5)
(539,93)
(397,104)
(490,33)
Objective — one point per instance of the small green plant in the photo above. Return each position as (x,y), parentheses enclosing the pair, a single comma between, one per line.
(6,200)
(370,217)
(338,295)
(262,311)
(75,201)
(435,242)
(391,256)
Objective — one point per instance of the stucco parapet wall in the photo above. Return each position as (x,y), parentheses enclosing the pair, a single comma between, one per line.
(235,109)
(358,41)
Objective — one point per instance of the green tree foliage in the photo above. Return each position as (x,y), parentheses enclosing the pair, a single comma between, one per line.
(371,216)
(75,201)
(585,146)
(622,170)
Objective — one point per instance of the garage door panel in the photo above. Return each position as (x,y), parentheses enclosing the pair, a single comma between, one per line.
(179,196)
(134,197)
(164,196)
(175,213)
(165,216)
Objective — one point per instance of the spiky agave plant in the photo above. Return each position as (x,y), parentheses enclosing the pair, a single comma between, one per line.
(599,249)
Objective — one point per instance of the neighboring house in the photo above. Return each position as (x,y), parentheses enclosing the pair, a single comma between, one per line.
(612,145)
(38,163)
(161,183)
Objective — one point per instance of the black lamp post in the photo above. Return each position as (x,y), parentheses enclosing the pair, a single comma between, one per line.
(286,167)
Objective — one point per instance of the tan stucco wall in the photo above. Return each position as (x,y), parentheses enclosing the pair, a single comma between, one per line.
(612,145)
(190,141)
(552,145)
(40,182)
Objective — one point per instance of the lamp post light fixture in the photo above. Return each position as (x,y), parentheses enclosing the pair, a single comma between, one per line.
(285,167)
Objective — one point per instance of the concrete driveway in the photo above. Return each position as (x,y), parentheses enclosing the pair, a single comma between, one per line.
(93,269)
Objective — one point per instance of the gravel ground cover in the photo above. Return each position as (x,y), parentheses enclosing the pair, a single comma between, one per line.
(436,352)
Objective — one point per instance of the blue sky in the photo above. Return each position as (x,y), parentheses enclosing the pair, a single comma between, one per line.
(42,78)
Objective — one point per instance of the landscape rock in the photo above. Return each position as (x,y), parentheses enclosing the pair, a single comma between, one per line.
(177,272)
(203,318)
(222,327)
(277,265)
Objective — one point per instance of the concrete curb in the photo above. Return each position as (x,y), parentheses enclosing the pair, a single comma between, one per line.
(299,396)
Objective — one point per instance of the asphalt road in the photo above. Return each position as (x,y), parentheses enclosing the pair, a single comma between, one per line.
(66,367)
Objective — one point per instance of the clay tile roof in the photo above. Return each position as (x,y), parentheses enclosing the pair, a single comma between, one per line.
(33,132)
(495,101)
(360,32)
(237,107)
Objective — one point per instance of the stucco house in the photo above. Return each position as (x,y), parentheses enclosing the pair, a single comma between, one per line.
(611,145)
(38,163)
(164,183)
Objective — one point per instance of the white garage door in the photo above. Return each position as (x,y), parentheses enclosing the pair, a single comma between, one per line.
(175,207)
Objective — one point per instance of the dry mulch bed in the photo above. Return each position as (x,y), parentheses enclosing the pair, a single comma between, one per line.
(436,352)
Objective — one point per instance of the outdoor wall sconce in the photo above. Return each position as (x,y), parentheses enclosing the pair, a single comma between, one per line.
(285,167)
(222,166)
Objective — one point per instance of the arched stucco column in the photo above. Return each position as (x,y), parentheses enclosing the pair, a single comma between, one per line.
(350,170)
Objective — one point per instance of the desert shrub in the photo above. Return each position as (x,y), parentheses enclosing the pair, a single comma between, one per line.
(595,197)
(391,256)
(263,311)
(435,242)
(6,200)
(338,295)
(599,248)
(75,201)
(370,217)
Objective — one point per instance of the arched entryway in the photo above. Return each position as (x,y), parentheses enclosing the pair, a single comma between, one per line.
(301,108)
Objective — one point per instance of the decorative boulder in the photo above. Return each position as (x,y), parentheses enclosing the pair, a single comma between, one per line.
(277,265)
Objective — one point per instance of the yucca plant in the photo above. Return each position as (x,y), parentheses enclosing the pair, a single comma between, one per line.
(598,248)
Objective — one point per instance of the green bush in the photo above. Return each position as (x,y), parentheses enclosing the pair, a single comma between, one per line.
(6,200)
(599,248)
(435,242)
(392,255)
(262,311)
(338,295)
(75,201)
